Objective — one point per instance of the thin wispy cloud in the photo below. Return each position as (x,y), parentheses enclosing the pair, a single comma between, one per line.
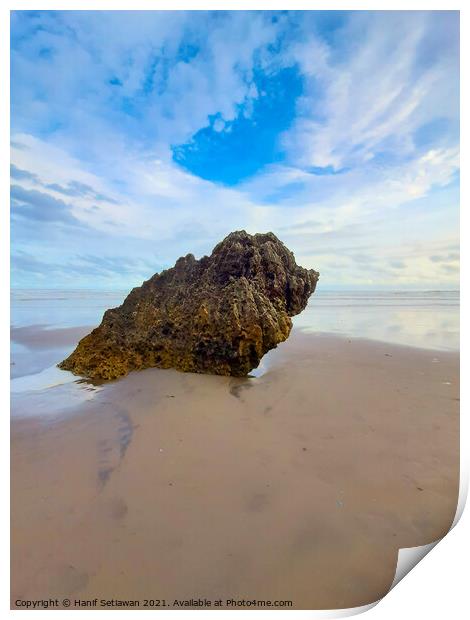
(338,131)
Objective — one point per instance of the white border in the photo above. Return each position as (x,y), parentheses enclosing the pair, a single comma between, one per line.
(438,586)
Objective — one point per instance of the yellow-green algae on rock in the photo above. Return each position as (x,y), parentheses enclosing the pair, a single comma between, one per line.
(216,315)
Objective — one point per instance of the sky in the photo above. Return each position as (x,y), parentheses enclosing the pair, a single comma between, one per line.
(141,136)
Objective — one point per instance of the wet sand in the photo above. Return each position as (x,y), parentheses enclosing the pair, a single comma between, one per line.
(37,347)
(299,485)
(43,337)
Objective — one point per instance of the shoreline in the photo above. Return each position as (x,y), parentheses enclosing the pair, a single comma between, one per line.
(301,484)
(46,337)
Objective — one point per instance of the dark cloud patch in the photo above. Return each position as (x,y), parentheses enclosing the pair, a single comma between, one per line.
(443,258)
(21,175)
(18,145)
(76,189)
(450,268)
(362,259)
(40,207)
(22,261)
(397,264)
(61,190)
(112,264)
(73,189)
(85,266)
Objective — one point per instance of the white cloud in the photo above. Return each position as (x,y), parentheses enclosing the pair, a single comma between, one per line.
(377,220)
(377,93)
(333,215)
(143,53)
(155,200)
(219,124)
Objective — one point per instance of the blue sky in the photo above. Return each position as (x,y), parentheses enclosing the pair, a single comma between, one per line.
(137,137)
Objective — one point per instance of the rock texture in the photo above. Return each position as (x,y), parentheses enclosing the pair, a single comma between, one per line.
(218,315)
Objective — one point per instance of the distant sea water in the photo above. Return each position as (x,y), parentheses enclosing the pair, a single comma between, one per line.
(428,319)
(425,319)
(61,308)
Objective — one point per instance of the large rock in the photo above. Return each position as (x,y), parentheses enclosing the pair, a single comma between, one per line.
(219,314)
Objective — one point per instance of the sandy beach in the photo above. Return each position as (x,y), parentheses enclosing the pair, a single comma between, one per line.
(297,485)
(234,316)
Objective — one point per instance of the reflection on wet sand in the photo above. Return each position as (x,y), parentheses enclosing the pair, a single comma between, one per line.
(421,319)
(301,484)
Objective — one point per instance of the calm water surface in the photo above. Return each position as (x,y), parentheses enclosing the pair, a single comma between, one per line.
(428,319)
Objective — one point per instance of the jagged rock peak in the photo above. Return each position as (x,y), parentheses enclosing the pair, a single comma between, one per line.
(217,315)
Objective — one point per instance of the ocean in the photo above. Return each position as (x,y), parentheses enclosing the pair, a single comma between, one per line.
(424,319)
(47,324)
